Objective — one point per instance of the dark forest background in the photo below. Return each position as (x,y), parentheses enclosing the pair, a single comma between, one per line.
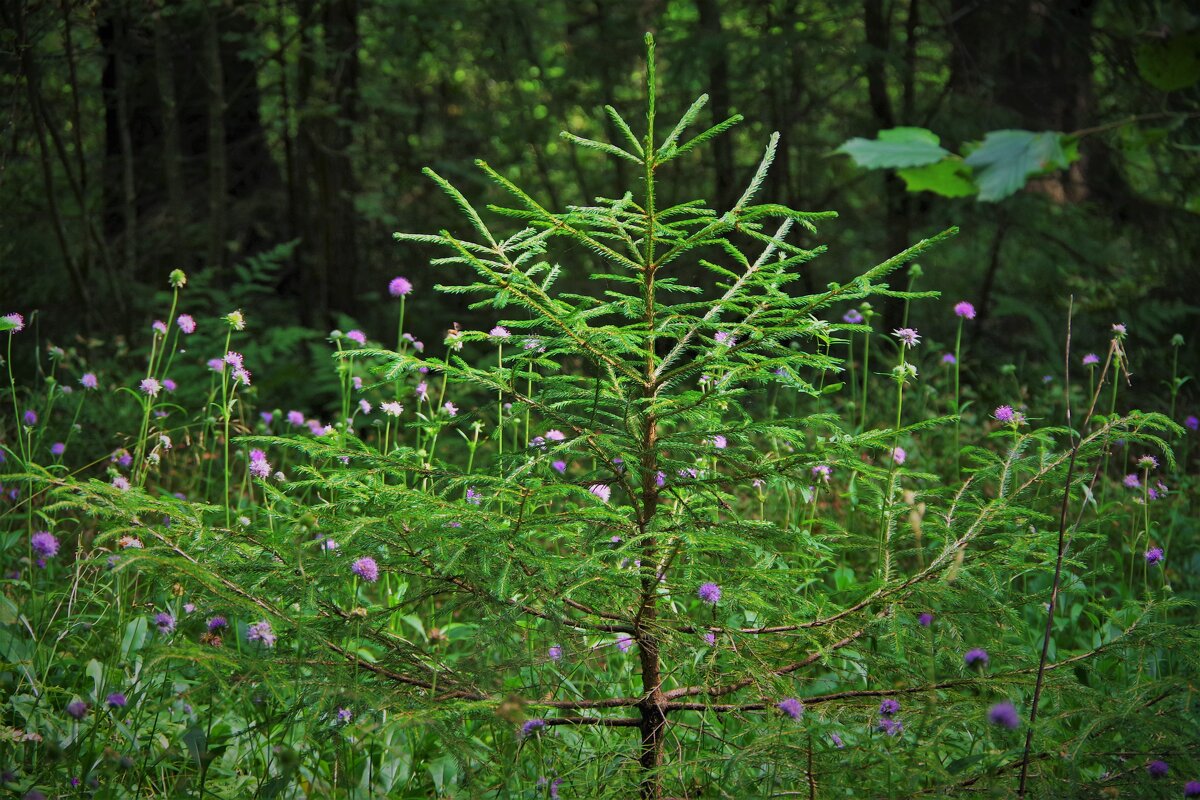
(271,148)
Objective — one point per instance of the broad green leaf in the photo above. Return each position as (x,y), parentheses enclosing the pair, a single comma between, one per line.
(1006,159)
(895,148)
(1170,64)
(949,177)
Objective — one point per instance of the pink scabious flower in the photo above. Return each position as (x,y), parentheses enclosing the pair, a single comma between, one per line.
(889,708)
(77,709)
(357,336)
(555,435)
(295,419)
(233,359)
(474,497)
(899,455)
(1192,422)
(399,287)
(601,490)
(450,408)
(720,442)
(1154,555)
(16,321)
(792,707)
(241,375)
(1132,481)
(964,310)
(555,652)
(710,638)
(908,336)
(423,391)
(392,409)
(366,568)
(116,700)
(58,448)
(1119,330)
(709,593)
(215,364)
(261,632)
(892,727)
(89,380)
(560,466)
(159,327)
(357,382)
(1091,359)
(151,387)
(925,620)
(1158,769)
(165,622)
(499,332)
(364,406)
(30,417)
(1004,414)
(624,642)
(122,483)
(1148,462)
(236,319)
(725,339)
(822,472)
(949,358)
(853,316)
(344,716)
(44,544)
(186,323)
(259,466)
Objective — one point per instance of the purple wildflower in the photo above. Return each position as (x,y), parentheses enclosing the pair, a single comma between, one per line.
(1192,422)
(1148,462)
(837,741)
(1005,715)
(356,336)
(892,727)
(602,491)
(89,380)
(889,707)
(1004,414)
(44,544)
(624,642)
(555,652)
(899,455)
(1191,789)
(1091,359)
(822,471)
(925,620)
(853,316)
(1132,481)
(16,320)
(720,442)
(260,467)
(151,386)
(710,593)
(366,568)
(1154,555)
(791,706)
(116,700)
(1158,769)
(977,657)
(710,638)
(186,323)
(499,332)
(908,336)
(233,359)
(261,632)
(344,715)
(215,364)
(159,327)
(423,391)
(399,287)
(555,435)
(1119,330)
(949,358)
(217,623)
(392,409)
(531,726)
(474,497)
(660,479)
(169,385)
(29,417)
(964,310)
(165,622)
(450,408)
(560,466)
(77,709)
